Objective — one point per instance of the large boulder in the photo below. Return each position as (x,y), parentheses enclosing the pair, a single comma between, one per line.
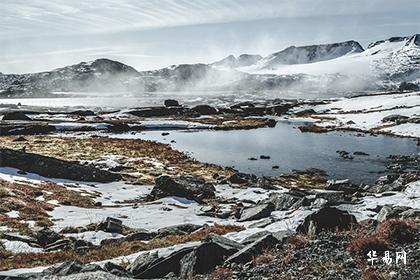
(177,230)
(142,262)
(248,252)
(285,201)
(16,116)
(342,185)
(256,212)
(112,225)
(208,255)
(54,168)
(163,266)
(171,103)
(193,188)
(205,110)
(327,218)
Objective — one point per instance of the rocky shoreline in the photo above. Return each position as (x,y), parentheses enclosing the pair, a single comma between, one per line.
(87,206)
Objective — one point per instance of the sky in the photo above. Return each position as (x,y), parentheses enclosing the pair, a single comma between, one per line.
(40,35)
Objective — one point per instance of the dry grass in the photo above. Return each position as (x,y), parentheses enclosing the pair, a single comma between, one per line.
(371,274)
(79,149)
(363,245)
(219,274)
(109,251)
(265,257)
(229,121)
(398,230)
(308,181)
(22,197)
(313,128)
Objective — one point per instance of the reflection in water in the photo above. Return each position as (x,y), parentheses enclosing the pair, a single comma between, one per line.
(289,149)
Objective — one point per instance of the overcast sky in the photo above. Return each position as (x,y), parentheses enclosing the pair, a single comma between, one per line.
(40,35)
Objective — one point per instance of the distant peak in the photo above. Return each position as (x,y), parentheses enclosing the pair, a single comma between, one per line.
(413,40)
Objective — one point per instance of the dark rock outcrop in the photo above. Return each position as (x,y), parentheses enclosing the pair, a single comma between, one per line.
(54,168)
(193,188)
(327,218)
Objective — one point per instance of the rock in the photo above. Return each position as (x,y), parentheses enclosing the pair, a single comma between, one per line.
(193,188)
(398,119)
(61,244)
(344,155)
(142,262)
(83,113)
(411,213)
(341,185)
(275,167)
(116,269)
(158,111)
(263,223)
(271,123)
(15,116)
(207,256)
(112,225)
(17,237)
(256,212)
(388,212)
(407,86)
(283,201)
(358,153)
(319,203)
(171,103)
(177,230)
(254,237)
(164,266)
(140,235)
(248,252)
(252,158)
(54,168)
(205,110)
(327,218)
(388,183)
(264,157)
(47,236)
(64,269)
(239,178)
(306,112)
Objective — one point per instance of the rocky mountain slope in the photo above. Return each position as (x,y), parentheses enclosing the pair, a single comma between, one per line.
(338,68)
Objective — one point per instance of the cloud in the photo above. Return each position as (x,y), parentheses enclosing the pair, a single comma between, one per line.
(51,17)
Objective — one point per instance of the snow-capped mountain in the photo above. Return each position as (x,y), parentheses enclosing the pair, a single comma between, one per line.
(240,61)
(337,68)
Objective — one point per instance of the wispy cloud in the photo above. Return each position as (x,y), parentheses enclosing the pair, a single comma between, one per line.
(52,17)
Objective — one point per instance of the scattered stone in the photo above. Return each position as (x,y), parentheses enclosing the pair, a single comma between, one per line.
(248,252)
(177,230)
(252,158)
(256,212)
(142,262)
(171,103)
(275,167)
(264,157)
(193,188)
(342,185)
(327,218)
(344,155)
(397,119)
(15,116)
(358,153)
(112,225)
(205,110)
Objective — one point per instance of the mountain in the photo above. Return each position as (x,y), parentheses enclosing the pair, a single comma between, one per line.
(336,68)
(98,75)
(241,61)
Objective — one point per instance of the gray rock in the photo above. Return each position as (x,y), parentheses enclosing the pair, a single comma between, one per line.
(142,262)
(111,224)
(193,188)
(256,212)
(177,230)
(388,212)
(165,265)
(327,218)
(283,201)
(263,223)
(342,185)
(248,252)
(207,256)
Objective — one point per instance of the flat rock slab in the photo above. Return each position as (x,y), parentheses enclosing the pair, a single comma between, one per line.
(54,168)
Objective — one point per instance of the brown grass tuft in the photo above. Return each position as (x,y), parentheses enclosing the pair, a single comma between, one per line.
(398,230)
(363,245)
